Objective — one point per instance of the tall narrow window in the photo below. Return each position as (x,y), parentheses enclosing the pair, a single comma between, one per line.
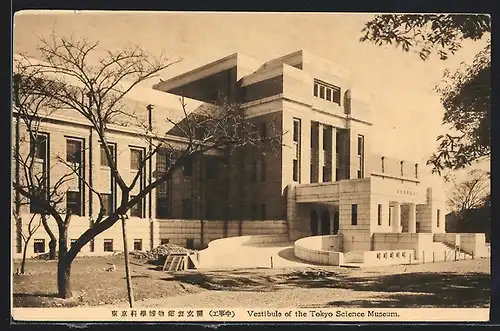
(107,200)
(402,168)
(263,169)
(253,211)
(188,168)
(187,209)
(296,150)
(210,167)
(253,171)
(136,157)
(379,214)
(316,87)
(390,215)
(416,170)
(263,211)
(354,214)
(295,170)
(39,146)
(104,159)
(137,209)
(361,152)
(263,130)
(162,200)
(438,217)
(74,202)
(296,130)
(322,92)
(74,151)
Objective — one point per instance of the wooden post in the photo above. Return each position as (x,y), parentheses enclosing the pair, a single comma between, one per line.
(433,257)
(444,256)
(409,256)
(272,263)
(423,256)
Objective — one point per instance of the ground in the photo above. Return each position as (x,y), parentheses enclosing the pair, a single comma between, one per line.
(444,284)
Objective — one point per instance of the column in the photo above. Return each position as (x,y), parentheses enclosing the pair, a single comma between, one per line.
(396,218)
(412,218)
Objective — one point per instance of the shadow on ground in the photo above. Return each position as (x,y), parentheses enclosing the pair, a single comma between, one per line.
(416,289)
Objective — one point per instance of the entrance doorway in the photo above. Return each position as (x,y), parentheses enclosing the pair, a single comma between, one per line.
(336,222)
(325,222)
(314,223)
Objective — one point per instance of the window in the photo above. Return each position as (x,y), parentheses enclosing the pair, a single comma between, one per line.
(39,245)
(108,245)
(296,130)
(187,209)
(354,214)
(438,217)
(37,201)
(164,241)
(187,168)
(104,159)
(161,162)
(263,130)
(327,174)
(39,146)
(74,151)
(253,171)
(295,170)
(361,148)
(136,157)
(327,91)
(107,201)
(416,170)
(313,174)
(327,138)
(263,169)
(402,168)
(383,164)
(74,202)
(163,201)
(137,209)
(390,214)
(262,211)
(199,133)
(379,214)
(137,244)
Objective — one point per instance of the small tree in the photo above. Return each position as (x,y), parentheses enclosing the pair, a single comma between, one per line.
(465,94)
(94,92)
(33,225)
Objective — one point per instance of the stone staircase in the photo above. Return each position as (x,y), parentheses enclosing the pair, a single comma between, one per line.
(442,251)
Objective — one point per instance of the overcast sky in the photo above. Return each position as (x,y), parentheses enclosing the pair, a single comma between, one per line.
(406,111)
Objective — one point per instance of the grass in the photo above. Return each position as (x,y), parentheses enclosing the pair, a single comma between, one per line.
(443,284)
(91,284)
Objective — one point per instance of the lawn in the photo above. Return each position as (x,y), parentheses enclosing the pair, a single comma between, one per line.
(443,284)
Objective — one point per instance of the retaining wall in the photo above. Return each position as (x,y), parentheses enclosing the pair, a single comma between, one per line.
(311,249)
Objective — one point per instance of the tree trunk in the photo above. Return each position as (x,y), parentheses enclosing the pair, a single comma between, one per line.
(63,277)
(63,265)
(127,265)
(53,239)
(23,262)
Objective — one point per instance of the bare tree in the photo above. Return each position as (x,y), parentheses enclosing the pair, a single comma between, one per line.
(469,194)
(95,91)
(32,226)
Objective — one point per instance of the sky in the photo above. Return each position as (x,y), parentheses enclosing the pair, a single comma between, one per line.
(406,111)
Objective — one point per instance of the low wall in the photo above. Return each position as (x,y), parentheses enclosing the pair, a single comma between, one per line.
(203,232)
(388,257)
(311,249)
(401,241)
(472,243)
(230,252)
(332,243)
(143,230)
